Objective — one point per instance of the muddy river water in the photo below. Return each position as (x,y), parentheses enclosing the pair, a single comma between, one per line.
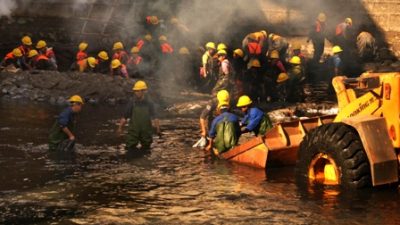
(174,184)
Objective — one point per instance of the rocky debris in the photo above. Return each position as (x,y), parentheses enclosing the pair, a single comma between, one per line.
(55,87)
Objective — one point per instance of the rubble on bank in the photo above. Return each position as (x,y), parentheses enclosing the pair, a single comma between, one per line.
(55,87)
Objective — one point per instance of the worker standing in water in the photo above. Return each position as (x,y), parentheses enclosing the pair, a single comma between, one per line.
(142,117)
(62,135)
(255,120)
(225,131)
(207,115)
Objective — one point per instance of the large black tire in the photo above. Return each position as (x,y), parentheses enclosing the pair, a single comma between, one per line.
(341,143)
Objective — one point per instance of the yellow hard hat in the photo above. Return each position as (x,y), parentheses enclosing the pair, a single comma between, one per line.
(154,20)
(244,101)
(139,86)
(118,46)
(295,60)
(148,37)
(103,55)
(115,63)
(135,50)
(174,20)
(274,54)
(223,96)
(76,98)
(239,52)
(264,32)
(32,53)
(282,77)
(253,36)
(337,49)
(162,38)
(92,62)
(41,44)
(255,63)
(348,21)
(221,52)
(83,46)
(221,46)
(210,45)
(184,51)
(26,40)
(296,46)
(321,17)
(17,52)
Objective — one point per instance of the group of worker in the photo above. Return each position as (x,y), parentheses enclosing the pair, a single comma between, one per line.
(141,61)
(29,57)
(140,112)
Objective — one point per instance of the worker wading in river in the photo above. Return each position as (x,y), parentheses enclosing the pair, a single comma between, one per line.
(141,113)
(62,135)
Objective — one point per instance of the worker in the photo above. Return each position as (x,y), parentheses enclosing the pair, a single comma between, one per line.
(225,130)
(260,37)
(254,120)
(317,36)
(344,34)
(207,60)
(165,47)
(222,46)
(14,58)
(281,87)
(275,67)
(224,81)
(141,42)
(296,51)
(207,115)
(278,43)
(337,61)
(82,51)
(120,53)
(239,68)
(296,78)
(253,48)
(118,69)
(40,61)
(147,51)
(42,48)
(26,46)
(62,135)
(134,63)
(85,65)
(254,80)
(102,63)
(142,117)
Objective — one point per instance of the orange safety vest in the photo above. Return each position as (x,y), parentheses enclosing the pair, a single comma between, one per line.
(254,48)
(81,55)
(24,50)
(135,61)
(82,65)
(9,55)
(120,56)
(50,53)
(166,48)
(140,44)
(41,57)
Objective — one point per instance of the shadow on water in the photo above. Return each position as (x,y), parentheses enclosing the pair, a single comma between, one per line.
(103,184)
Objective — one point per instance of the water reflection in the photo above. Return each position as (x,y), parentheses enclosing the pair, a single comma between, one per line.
(103,184)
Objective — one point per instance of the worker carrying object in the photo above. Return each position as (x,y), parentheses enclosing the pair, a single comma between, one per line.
(141,114)
(207,115)
(225,130)
(345,34)
(255,120)
(278,43)
(62,137)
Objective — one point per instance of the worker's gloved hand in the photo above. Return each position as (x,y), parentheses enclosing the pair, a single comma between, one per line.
(201,143)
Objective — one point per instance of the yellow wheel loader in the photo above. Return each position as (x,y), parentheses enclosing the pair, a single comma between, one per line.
(358,147)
